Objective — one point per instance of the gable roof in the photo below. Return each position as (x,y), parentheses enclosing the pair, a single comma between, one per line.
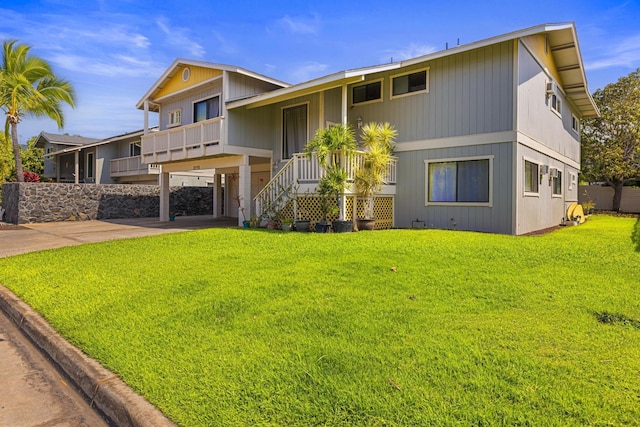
(179,64)
(563,43)
(70,140)
(98,142)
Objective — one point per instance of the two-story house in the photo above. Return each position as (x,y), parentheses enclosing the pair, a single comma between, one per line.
(488,132)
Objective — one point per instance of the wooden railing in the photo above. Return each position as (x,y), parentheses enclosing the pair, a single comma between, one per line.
(132,166)
(302,169)
(183,142)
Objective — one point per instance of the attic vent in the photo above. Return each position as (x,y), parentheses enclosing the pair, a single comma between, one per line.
(186,73)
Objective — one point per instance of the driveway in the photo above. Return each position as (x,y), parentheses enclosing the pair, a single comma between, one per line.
(50,235)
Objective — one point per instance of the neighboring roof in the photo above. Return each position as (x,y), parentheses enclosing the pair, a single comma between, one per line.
(564,48)
(71,140)
(180,62)
(98,142)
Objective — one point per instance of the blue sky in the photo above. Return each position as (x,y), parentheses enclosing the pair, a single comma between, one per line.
(114,50)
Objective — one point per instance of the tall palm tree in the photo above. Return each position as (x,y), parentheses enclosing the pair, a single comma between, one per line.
(28,86)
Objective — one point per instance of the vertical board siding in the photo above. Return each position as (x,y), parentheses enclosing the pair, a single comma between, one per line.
(186,104)
(242,86)
(410,198)
(469,93)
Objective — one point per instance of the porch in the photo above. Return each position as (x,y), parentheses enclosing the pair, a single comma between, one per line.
(292,191)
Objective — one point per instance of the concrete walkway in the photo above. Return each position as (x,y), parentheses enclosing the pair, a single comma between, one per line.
(44,380)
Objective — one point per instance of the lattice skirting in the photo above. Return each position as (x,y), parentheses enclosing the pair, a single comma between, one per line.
(310,208)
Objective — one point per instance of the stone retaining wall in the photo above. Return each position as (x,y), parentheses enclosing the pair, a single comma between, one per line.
(31,202)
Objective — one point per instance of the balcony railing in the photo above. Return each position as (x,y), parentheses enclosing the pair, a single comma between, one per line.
(183,142)
(128,166)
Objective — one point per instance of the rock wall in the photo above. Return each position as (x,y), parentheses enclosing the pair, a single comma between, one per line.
(48,202)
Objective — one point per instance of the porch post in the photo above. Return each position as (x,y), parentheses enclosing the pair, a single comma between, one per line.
(217,187)
(244,188)
(164,196)
(77,166)
(344,104)
(57,167)
(146,116)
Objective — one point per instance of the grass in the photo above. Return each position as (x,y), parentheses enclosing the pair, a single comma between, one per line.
(248,327)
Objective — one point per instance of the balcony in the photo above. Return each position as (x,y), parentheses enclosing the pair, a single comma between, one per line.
(182,143)
(128,166)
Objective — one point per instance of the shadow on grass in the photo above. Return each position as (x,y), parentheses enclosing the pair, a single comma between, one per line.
(635,235)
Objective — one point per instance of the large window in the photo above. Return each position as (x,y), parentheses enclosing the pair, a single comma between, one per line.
(368,92)
(415,82)
(459,181)
(294,130)
(206,109)
(530,177)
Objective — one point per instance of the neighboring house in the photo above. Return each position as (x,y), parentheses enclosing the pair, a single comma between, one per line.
(59,164)
(488,133)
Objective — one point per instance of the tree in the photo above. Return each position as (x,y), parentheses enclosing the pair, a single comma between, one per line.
(28,86)
(611,142)
(6,158)
(32,157)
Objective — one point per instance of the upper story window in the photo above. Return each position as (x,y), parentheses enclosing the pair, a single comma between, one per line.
(175,117)
(410,83)
(367,92)
(49,150)
(206,109)
(135,149)
(556,104)
(465,181)
(531,171)
(575,124)
(294,130)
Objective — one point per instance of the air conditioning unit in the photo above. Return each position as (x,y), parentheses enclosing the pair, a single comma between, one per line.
(552,88)
(553,173)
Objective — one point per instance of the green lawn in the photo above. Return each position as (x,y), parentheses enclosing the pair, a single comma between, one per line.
(250,327)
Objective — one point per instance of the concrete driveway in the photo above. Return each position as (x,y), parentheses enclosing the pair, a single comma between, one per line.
(50,235)
(34,391)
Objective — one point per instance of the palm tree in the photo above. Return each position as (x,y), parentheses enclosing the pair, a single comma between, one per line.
(29,87)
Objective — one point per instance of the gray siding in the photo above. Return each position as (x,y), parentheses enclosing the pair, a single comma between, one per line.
(186,104)
(469,93)
(241,86)
(410,197)
(535,117)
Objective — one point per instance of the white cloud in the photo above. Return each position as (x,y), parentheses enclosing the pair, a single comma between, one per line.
(107,66)
(413,50)
(624,54)
(178,37)
(307,71)
(300,25)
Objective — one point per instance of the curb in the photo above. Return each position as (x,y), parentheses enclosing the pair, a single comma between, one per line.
(104,389)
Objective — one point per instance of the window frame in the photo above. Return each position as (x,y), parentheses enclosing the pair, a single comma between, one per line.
(410,93)
(175,117)
(132,149)
(90,169)
(555,106)
(428,162)
(556,183)
(205,99)
(369,101)
(575,124)
(282,132)
(526,192)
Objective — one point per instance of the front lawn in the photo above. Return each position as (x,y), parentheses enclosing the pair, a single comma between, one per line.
(398,327)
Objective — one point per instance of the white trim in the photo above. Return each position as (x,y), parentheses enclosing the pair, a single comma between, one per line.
(527,141)
(457,141)
(488,204)
(406,73)
(526,193)
(558,107)
(372,101)
(576,120)
(284,107)
(553,194)
(186,74)
(193,88)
